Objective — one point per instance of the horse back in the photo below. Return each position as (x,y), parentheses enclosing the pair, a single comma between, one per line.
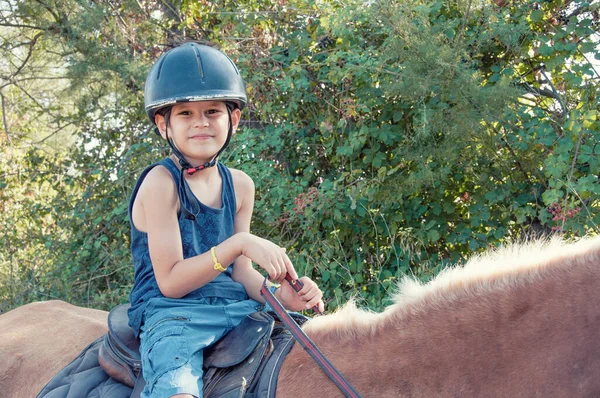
(41,338)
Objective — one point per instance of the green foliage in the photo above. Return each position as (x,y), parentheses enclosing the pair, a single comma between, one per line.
(385,139)
(414,135)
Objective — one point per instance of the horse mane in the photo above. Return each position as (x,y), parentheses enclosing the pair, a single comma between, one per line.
(499,268)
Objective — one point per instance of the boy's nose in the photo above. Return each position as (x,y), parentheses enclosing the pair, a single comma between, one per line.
(201,121)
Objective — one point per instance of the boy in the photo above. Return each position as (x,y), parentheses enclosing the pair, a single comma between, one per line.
(190,222)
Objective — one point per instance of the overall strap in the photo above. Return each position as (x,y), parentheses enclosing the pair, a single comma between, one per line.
(228,193)
(189,205)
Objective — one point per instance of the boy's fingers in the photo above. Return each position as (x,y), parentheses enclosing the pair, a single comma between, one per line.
(313,298)
(289,267)
(307,290)
(321,306)
(275,273)
(279,271)
(313,302)
(308,285)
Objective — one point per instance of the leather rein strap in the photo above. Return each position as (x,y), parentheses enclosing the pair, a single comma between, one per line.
(305,342)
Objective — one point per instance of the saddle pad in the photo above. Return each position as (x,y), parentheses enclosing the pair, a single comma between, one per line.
(84,377)
(266,385)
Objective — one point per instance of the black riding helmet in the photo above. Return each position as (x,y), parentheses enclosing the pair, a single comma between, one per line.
(192,72)
(188,73)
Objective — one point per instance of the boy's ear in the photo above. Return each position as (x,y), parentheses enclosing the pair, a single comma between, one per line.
(161,125)
(236,116)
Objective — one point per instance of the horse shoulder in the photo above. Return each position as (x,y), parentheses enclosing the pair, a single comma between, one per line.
(41,338)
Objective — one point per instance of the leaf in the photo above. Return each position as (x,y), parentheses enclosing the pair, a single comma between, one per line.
(433,235)
(591,115)
(537,15)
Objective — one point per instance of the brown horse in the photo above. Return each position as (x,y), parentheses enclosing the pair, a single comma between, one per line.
(519,322)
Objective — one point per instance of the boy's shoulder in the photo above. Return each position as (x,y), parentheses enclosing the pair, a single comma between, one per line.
(241,180)
(158,179)
(159,173)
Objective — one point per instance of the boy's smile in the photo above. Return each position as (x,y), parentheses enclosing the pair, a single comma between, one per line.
(201,137)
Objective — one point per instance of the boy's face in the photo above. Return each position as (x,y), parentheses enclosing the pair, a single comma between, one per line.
(199,129)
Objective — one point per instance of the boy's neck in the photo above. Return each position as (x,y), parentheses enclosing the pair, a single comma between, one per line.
(204,174)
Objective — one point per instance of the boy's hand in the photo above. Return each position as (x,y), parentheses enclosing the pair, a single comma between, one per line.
(309,296)
(270,257)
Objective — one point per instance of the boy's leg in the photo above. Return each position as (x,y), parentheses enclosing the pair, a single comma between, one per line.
(237,311)
(168,365)
(173,337)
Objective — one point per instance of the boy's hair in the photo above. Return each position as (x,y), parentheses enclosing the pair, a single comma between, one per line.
(192,72)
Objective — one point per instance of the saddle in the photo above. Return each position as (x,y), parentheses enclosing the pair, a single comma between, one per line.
(233,365)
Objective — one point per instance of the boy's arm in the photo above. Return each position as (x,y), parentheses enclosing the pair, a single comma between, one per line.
(157,200)
(244,273)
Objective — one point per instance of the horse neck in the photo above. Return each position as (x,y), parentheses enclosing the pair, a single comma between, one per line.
(351,350)
(468,343)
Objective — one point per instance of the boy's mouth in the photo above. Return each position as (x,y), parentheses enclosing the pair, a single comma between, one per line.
(201,137)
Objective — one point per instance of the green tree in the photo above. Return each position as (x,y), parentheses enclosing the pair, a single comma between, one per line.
(385,138)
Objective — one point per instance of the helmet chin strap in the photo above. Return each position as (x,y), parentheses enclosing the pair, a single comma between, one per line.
(185,194)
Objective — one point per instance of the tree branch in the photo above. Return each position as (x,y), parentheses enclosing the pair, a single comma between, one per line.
(584,8)
(60,128)
(588,61)
(18,25)
(538,91)
(558,97)
(4,117)
(31,98)
(546,93)
(464,22)
(57,17)
(32,43)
